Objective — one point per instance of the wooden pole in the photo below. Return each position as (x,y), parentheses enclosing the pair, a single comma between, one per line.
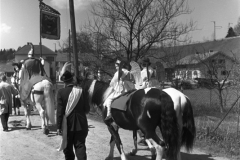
(40,43)
(74,40)
(69,45)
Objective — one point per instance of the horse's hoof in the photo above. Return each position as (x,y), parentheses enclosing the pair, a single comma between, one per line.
(46,131)
(154,157)
(132,153)
(28,128)
(109,158)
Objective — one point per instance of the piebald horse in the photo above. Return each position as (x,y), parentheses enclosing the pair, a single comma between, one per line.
(146,110)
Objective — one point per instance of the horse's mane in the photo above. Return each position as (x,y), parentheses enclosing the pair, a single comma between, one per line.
(95,89)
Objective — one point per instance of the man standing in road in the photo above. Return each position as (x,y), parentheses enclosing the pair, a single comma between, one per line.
(72,122)
(6,92)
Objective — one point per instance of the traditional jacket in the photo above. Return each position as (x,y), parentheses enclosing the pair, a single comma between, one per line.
(33,67)
(77,120)
(6,91)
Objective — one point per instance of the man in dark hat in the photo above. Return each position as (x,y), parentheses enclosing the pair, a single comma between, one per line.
(146,72)
(72,122)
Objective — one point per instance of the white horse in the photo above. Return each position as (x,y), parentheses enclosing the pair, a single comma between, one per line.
(42,97)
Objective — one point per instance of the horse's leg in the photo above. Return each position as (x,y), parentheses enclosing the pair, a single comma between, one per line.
(112,145)
(38,99)
(155,144)
(14,105)
(134,151)
(27,112)
(159,149)
(118,142)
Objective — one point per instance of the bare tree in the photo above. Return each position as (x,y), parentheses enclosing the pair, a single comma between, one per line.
(216,68)
(132,27)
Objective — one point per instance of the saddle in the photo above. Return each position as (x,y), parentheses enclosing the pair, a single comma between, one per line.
(27,85)
(121,101)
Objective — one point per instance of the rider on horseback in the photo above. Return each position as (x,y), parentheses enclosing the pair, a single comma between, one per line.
(33,65)
(120,83)
(32,68)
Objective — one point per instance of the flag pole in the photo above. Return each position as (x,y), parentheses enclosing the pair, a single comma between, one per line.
(40,43)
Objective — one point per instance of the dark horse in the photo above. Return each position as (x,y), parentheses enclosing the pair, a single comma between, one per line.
(146,110)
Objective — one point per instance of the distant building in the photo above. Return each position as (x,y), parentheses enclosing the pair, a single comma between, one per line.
(199,65)
(171,57)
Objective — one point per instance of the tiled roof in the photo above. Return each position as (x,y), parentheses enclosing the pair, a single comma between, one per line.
(26,48)
(199,58)
(228,46)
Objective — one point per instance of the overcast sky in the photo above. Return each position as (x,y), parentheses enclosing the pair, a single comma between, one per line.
(19,19)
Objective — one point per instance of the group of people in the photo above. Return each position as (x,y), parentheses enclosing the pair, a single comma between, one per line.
(10,93)
(72,122)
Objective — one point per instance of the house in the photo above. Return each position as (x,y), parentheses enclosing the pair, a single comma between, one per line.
(200,65)
(47,54)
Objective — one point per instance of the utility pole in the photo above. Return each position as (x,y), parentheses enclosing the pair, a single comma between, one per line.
(40,43)
(69,45)
(74,40)
(215,27)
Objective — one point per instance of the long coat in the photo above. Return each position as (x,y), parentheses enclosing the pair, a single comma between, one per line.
(77,120)
(6,91)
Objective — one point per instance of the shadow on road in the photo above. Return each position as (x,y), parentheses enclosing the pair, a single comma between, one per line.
(187,156)
(184,156)
(147,157)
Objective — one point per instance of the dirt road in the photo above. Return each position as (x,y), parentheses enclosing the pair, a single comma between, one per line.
(20,144)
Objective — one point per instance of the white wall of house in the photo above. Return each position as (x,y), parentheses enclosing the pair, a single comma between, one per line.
(201,71)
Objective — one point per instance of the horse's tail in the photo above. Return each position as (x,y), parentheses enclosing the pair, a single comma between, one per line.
(49,102)
(169,127)
(189,129)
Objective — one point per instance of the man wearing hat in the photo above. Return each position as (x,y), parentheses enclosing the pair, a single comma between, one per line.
(33,65)
(72,122)
(32,71)
(146,72)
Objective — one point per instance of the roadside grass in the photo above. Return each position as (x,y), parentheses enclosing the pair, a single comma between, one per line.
(222,140)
